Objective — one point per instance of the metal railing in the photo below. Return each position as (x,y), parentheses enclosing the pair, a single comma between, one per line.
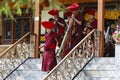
(77,58)
(16,54)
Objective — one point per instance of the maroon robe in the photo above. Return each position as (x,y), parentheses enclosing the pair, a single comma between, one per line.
(94,24)
(60,30)
(77,36)
(49,60)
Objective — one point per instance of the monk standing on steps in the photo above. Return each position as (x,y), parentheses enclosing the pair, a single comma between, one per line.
(76,29)
(60,25)
(49,60)
(92,19)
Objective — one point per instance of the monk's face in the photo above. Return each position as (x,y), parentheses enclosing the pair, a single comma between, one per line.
(56,16)
(91,17)
(119,20)
(49,30)
(88,30)
(75,12)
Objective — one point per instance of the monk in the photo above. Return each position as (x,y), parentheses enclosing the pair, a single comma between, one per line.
(92,19)
(77,27)
(75,33)
(60,25)
(67,46)
(49,60)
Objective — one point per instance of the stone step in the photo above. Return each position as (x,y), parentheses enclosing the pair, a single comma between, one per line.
(103,60)
(100,67)
(97,73)
(30,70)
(94,78)
(32,60)
(31,64)
(99,64)
(97,69)
(27,75)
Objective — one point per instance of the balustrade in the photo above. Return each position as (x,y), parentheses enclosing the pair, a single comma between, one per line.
(77,58)
(18,52)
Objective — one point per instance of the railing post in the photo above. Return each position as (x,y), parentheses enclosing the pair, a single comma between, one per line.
(97,35)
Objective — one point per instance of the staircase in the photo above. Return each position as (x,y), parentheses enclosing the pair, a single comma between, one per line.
(16,54)
(102,68)
(30,70)
(79,64)
(7,66)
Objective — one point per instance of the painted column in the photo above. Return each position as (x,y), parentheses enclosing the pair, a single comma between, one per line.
(117,61)
(101,26)
(37,28)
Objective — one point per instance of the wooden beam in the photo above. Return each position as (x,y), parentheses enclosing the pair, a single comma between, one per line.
(37,28)
(80,1)
(101,25)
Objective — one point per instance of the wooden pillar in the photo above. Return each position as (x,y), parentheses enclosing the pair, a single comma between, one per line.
(37,28)
(101,25)
(22,21)
(12,32)
(3,30)
(31,25)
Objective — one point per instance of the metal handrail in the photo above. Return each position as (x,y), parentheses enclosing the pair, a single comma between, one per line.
(16,68)
(16,43)
(22,50)
(71,54)
(82,68)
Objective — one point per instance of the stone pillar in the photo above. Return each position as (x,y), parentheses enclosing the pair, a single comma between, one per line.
(117,62)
